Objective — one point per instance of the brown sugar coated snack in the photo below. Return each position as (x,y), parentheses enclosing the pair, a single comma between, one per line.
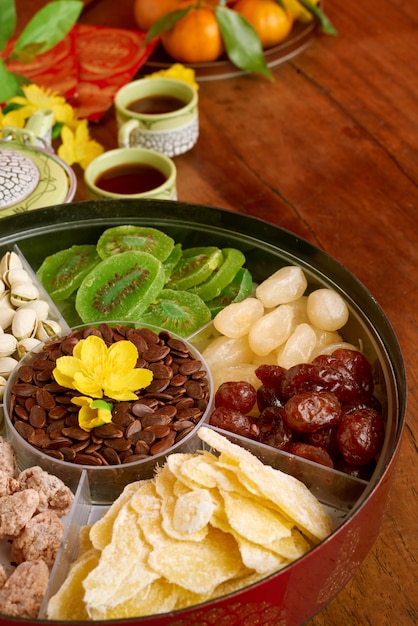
(8,462)
(40,539)
(53,494)
(23,592)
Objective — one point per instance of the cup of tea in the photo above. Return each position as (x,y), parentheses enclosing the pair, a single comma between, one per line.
(158,113)
(131,173)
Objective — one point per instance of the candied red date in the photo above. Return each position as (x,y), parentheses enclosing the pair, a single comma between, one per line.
(268,396)
(273,429)
(238,395)
(324,438)
(362,401)
(360,436)
(311,453)
(308,412)
(270,375)
(358,366)
(234,422)
(319,376)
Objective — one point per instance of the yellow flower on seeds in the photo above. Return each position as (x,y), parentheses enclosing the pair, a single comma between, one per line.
(96,370)
(93,413)
(178,71)
(77,146)
(38,98)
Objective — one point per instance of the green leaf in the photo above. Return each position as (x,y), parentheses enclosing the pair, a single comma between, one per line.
(7,21)
(50,24)
(242,43)
(323,20)
(166,22)
(9,83)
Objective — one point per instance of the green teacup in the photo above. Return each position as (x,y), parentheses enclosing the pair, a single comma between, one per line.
(131,173)
(158,113)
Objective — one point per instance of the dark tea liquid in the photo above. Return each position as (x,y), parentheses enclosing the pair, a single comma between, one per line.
(156,104)
(130,178)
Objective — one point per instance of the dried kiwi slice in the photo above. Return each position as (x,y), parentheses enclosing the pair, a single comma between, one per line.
(180,312)
(172,260)
(62,273)
(233,260)
(194,267)
(239,288)
(120,287)
(123,238)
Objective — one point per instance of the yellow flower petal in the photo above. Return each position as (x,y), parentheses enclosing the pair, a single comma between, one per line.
(94,369)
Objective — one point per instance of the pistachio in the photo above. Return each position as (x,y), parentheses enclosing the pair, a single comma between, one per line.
(9,261)
(41,308)
(23,292)
(3,383)
(24,323)
(7,365)
(6,317)
(2,286)
(16,275)
(5,299)
(26,345)
(8,344)
(47,329)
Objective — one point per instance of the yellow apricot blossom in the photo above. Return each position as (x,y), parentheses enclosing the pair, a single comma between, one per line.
(179,72)
(93,413)
(38,99)
(12,119)
(96,370)
(77,146)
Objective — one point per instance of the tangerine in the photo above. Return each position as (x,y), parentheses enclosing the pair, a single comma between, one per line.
(147,12)
(271,22)
(196,37)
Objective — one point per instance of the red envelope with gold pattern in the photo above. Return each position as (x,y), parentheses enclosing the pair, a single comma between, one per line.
(89,66)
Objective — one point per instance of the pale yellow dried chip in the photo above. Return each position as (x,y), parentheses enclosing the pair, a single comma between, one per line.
(84,542)
(254,521)
(158,597)
(68,602)
(292,547)
(291,497)
(201,568)
(122,570)
(254,557)
(101,531)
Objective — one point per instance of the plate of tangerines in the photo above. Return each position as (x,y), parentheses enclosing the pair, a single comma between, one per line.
(225,38)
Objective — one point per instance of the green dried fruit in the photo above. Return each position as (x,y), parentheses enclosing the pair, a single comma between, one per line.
(180,312)
(120,288)
(194,267)
(62,273)
(239,288)
(141,238)
(233,260)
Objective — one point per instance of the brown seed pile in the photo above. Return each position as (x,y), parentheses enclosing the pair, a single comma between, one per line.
(165,411)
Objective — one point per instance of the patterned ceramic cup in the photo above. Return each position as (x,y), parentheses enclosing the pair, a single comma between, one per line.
(131,173)
(158,113)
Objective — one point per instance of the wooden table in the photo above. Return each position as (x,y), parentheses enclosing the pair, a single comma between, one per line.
(329,150)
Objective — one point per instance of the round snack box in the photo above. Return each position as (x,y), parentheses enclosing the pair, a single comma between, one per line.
(291,594)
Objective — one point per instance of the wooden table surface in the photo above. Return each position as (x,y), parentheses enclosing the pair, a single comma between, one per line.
(328,150)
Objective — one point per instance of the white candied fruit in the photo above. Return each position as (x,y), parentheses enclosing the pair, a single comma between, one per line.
(227,352)
(235,373)
(286,285)
(271,330)
(327,310)
(299,347)
(236,319)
